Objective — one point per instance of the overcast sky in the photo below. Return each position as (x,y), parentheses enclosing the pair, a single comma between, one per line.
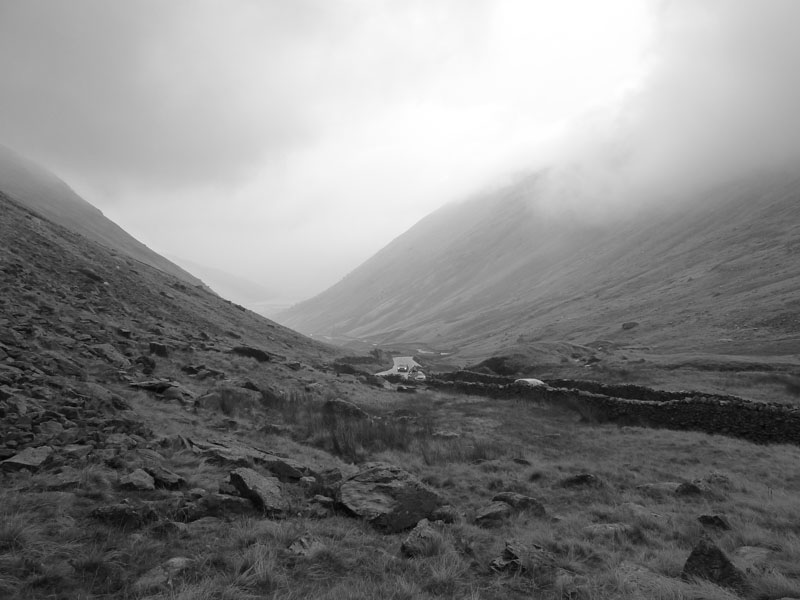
(286,141)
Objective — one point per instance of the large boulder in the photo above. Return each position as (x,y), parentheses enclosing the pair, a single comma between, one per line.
(388,497)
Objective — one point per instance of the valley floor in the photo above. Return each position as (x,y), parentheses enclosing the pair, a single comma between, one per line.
(616,523)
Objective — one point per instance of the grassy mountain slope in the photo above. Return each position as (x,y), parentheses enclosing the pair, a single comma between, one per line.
(713,274)
(40,190)
(148,449)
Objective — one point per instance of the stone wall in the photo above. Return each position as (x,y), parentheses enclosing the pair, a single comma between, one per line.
(726,415)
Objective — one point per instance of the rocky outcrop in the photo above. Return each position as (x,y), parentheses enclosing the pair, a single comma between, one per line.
(388,497)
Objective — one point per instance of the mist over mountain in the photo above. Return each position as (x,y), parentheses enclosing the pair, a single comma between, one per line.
(40,190)
(496,273)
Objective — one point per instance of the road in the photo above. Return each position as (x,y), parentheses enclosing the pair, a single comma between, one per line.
(398,362)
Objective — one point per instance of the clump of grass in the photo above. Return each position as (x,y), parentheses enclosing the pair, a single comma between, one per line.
(445,574)
(444,451)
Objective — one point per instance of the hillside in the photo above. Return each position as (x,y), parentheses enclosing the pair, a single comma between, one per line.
(157,441)
(43,192)
(716,274)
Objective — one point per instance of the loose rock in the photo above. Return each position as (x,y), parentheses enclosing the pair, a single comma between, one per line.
(388,497)
(264,492)
(707,561)
(423,540)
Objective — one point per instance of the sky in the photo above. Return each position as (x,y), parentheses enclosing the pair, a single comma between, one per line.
(286,141)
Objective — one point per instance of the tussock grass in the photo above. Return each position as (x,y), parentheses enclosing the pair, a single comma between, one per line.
(49,547)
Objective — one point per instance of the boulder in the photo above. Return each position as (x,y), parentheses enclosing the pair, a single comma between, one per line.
(388,497)
(164,478)
(67,478)
(446,514)
(423,540)
(715,522)
(264,492)
(640,511)
(221,506)
(138,480)
(125,515)
(521,502)
(493,514)
(707,561)
(162,575)
(241,455)
(306,546)
(336,407)
(111,355)
(30,458)
(170,528)
(582,480)
(688,488)
(251,352)
(517,559)
(159,349)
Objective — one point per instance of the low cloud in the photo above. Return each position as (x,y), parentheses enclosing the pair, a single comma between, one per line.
(719,102)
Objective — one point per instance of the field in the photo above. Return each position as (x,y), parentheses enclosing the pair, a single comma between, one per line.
(600,537)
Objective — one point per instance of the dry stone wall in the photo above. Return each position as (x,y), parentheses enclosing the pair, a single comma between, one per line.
(765,423)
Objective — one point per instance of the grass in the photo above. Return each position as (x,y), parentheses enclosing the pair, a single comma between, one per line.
(49,547)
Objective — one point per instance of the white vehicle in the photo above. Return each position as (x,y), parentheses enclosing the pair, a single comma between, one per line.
(420,376)
(529,382)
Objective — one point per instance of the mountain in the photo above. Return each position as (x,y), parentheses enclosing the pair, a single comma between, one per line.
(237,289)
(43,192)
(500,273)
(159,441)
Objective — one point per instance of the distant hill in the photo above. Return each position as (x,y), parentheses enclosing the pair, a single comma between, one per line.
(237,289)
(718,273)
(40,190)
